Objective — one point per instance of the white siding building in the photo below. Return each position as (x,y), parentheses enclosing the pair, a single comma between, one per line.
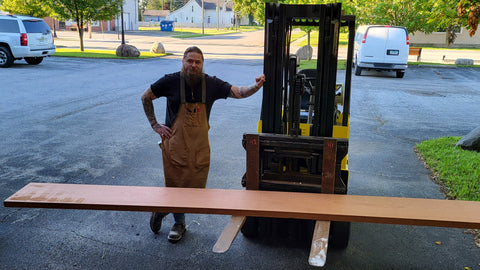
(130,15)
(190,15)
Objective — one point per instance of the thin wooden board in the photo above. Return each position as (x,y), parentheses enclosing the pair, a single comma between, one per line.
(314,206)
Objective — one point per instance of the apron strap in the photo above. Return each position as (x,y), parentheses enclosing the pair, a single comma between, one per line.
(204,89)
(182,88)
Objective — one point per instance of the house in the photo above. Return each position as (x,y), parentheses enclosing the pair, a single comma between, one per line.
(190,15)
(151,15)
(130,15)
(438,39)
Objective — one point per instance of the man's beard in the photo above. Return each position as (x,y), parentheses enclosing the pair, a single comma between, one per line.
(192,79)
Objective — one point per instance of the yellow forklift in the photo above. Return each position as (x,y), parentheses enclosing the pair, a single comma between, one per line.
(303,111)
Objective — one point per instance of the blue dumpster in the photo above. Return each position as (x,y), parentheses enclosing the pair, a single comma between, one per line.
(166,25)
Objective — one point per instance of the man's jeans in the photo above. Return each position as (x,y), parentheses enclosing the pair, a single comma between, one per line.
(179,218)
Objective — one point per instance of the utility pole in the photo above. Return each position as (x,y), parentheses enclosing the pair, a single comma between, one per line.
(123,31)
(203,17)
(54,28)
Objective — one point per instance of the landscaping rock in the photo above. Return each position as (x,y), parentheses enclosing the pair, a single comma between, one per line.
(126,50)
(471,141)
(157,48)
(304,53)
(464,62)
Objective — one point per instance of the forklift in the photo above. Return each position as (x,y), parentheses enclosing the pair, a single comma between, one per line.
(304,113)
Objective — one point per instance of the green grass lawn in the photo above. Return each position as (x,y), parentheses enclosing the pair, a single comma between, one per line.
(343,39)
(197,32)
(101,54)
(312,64)
(457,170)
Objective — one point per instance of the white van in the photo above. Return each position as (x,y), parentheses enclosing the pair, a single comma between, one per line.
(381,47)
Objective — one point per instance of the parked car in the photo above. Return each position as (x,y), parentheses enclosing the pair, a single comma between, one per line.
(381,48)
(24,37)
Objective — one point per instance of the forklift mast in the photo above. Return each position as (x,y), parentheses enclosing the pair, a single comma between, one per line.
(284,86)
(284,156)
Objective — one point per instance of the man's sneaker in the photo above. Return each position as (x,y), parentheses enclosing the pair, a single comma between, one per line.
(156,221)
(177,232)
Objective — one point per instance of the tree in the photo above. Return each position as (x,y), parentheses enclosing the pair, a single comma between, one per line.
(84,11)
(412,15)
(27,7)
(254,7)
(469,10)
(442,16)
(153,4)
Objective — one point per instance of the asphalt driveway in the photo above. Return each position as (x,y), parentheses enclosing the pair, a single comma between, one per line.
(81,121)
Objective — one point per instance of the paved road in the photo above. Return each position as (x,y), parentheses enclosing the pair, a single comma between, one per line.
(224,46)
(244,45)
(81,121)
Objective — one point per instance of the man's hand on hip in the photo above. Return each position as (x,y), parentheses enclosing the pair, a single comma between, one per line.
(164,131)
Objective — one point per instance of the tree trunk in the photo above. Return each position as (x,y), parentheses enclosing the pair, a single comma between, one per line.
(450,35)
(80,34)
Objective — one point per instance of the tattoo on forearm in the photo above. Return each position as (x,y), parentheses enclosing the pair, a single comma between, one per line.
(244,91)
(149,111)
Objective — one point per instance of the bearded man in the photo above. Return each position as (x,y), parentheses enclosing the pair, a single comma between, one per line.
(185,146)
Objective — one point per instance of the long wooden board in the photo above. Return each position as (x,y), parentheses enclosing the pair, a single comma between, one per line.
(328,207)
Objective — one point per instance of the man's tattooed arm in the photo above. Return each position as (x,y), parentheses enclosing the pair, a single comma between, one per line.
(246,91)
(147,101)
(243,91)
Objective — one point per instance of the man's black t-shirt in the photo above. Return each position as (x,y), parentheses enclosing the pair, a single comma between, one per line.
(169,86)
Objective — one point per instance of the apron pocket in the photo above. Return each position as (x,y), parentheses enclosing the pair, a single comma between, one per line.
(176,153)
(202,159)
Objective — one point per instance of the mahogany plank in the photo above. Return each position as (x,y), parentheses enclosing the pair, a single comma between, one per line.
(328,207)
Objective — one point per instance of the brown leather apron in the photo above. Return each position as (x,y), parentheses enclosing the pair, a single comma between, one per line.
(186,155)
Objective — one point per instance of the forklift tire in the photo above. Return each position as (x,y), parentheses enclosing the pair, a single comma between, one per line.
(400,74)
(339,235)
(250,227)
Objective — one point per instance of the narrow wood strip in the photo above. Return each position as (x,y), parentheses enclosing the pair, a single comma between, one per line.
(328,166)
(318,250)
(314,206)
(229,233)
(253,163)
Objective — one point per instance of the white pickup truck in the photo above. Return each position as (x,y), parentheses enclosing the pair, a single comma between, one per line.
(24,37)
